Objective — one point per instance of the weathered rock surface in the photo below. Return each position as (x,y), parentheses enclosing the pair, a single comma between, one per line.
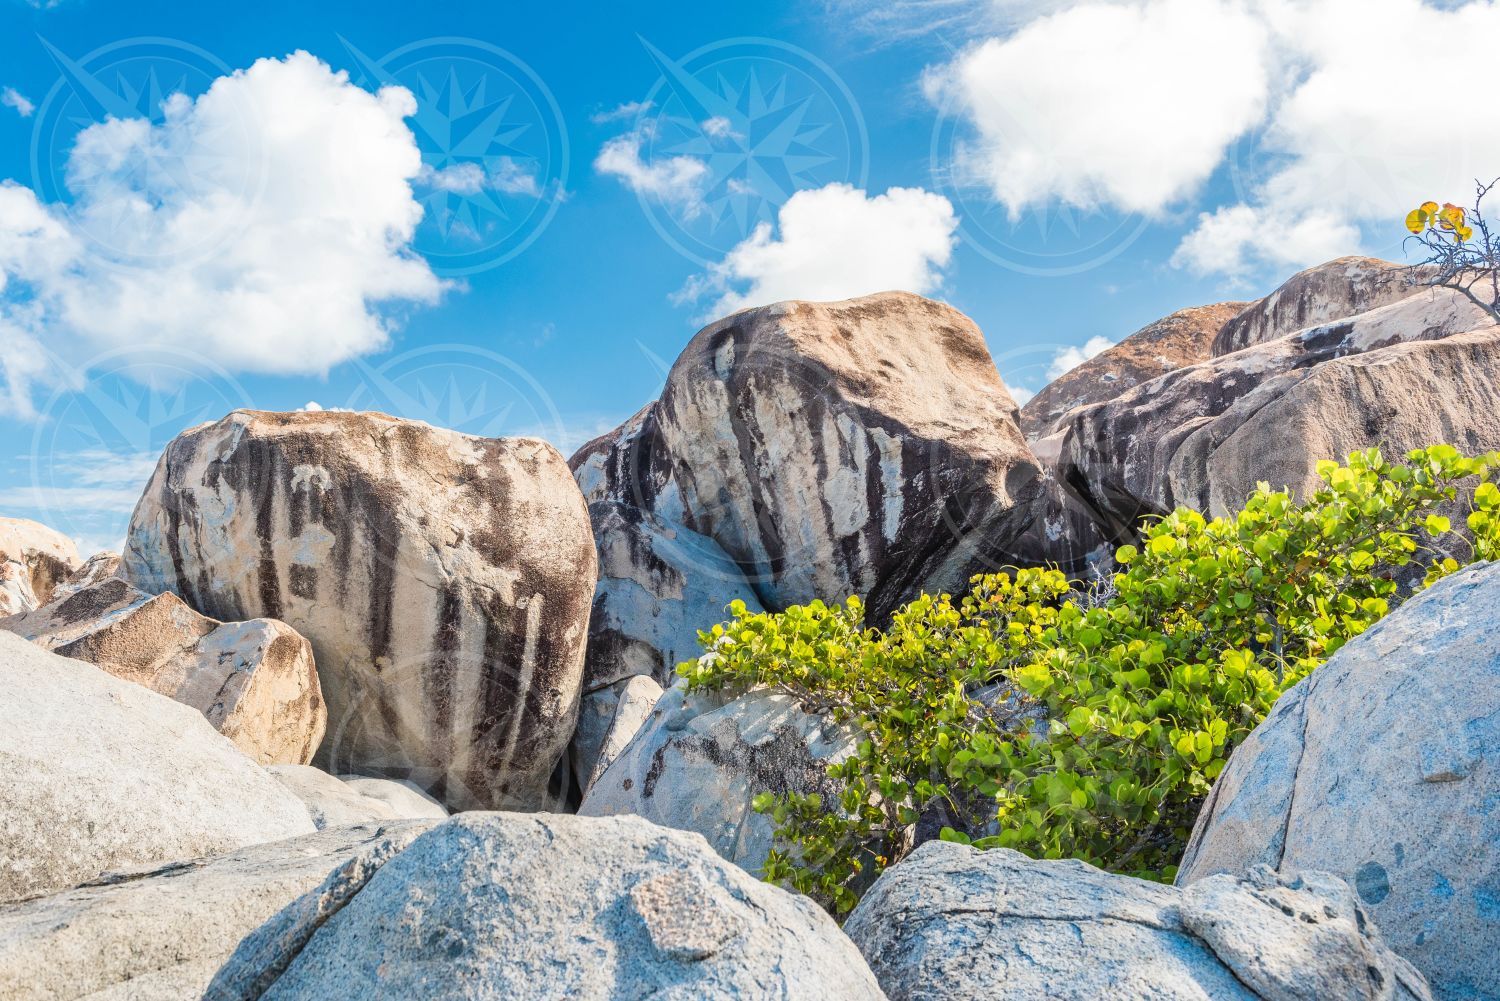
(1184,338)
(1342,287)
(952,923)
(162,934)
(700,759)
(340,802)
(254,681)
(95,570)
(443,580)
(1409,374)
(33,560)
(1383,766)
(508,906)
(98,773)
(803,450)
(607,721)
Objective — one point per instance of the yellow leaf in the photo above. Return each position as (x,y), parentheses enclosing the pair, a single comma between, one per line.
(1415,220)
(1429,207)
(1464,232)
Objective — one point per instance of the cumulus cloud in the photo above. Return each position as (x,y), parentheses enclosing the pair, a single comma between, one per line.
(1357,139)
(265,225)
(1128,106)
(677,181)
(12,98)
(835,242)
(1069,358)
(622,112)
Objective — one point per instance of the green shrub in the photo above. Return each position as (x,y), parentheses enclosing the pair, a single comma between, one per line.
(1037,719)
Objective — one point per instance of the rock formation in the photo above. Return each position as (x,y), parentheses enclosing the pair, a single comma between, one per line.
(798,451)
(1380,767)
(547,907)
(33,560)
(607,721)
(1184,338)
(700,759)
(254,681)
(163,934)
(337,802)
(956,924)
(98,773)
(1412,373)
(1342,287)
(443,580)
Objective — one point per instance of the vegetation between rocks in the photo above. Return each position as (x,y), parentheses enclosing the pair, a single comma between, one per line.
(1072,721)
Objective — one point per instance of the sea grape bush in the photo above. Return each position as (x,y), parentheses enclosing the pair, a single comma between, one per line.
(1027,717)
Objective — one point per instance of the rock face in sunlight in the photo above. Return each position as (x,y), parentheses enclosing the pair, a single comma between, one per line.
(164,933)
(499,905)
(1407,374)
(955,923)
(443,580)
(1340,288)
(1379,767)
(98,774)
(1184,338)
(33,560)
(803,450)
(254,681)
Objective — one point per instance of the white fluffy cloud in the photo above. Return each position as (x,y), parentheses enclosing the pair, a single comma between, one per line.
(264,225)
(1123,105)
(677,181)
(1070,358)
(835,242)
(12,98)
(1358,138)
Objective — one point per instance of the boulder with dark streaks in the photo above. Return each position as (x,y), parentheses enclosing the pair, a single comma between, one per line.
(443,580)
(803,450)
(1408,374)
(254,681)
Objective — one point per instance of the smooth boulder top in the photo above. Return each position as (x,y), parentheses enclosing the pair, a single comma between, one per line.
(334,802)
(162,934)
(1380,767)
(505,906)
(99,774)
(952,923)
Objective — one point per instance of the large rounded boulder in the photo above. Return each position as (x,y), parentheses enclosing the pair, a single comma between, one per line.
(443,580)
(100,774)
(499,906)
(1383,766)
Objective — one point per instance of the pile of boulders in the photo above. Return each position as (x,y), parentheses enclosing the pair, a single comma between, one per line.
(230,752)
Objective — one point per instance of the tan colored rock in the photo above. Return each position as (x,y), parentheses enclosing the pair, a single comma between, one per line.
(343,801)
(1184,338)
(1340,288)
(1412,373)
(254,681)
(443,580)
(95,570)
(98,774)
(33,560)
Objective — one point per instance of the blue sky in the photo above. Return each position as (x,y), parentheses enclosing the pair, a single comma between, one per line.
(526,253)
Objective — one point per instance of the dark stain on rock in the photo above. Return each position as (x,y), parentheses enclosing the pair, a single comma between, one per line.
(1372,882)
